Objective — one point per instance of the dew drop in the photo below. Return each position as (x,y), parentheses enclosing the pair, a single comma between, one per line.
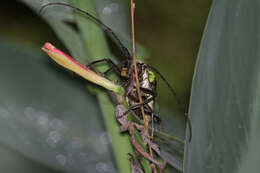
(55,136)
(107,10)
(57,124)
(110,8)
(50,142)
(42,119)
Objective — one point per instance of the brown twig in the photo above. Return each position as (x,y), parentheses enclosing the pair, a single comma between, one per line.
(136,74)
(130,127)
(134,63)
(153,168)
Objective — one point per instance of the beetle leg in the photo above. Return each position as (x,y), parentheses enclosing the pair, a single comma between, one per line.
(113,66)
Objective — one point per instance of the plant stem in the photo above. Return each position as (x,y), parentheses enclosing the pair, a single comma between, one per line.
(145,163)
(97,49)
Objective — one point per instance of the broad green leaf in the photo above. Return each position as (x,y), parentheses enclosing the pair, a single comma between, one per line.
(13,162)
(55,16)
(47,115)
(97,47)
(225,101)
(116,15)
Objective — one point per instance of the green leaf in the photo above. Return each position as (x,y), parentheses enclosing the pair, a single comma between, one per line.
(225,101)
(116,15)
(47,116)
(55,16)
(97,48)
(13,162)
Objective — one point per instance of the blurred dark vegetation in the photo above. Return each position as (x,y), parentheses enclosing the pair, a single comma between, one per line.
(170,30)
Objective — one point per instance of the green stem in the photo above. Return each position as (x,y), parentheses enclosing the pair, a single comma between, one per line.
(97,48)
(145,163)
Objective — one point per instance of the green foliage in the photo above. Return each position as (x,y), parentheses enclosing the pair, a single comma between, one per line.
(47,117)
(225,103)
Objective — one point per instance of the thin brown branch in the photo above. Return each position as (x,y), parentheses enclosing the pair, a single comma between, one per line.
(135,67)
(136,76)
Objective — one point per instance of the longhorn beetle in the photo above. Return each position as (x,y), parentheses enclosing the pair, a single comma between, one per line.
(124,69)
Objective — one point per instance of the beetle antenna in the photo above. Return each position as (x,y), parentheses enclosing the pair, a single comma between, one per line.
(175,95)
(105,27)
(168,85)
